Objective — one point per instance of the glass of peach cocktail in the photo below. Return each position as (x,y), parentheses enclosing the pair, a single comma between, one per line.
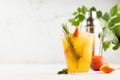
(78,49)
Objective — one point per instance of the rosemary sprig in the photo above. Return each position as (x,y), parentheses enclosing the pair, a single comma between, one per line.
(66,32)
(65,29)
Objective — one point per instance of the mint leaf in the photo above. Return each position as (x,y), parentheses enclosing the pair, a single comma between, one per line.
(74,22)
(79,9)
(92,9)
(63,71)
(116,30)
(109,35)
(100,35)
(80,17)
(106,45)
(114,21)
(106,17)
(74,13)
(77,19)
(84,9)
(114,10)
(118,6)
(118,15)
(99,14)
(116,46)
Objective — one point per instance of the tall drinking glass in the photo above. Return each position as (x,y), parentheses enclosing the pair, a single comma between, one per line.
(78,51)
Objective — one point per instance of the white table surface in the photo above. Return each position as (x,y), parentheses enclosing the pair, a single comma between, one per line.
(49,72)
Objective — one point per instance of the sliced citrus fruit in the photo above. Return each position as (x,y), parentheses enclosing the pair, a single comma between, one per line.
(107,68)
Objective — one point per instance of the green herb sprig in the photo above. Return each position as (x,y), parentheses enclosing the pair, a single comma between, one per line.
(110,22)
(66,33)
(63,71)
(79,15)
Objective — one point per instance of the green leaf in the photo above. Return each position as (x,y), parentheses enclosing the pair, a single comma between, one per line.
(109,35)
(75,23)
(79,9)
(118,6)
(92,9)
(116,46)
(84,9)
(116,30)
(72,20)
(118,15)
(106,17)
(114,21)
(99,14)
(114,10)
(63,71)
(115,40)
(74,13)
(106,45)
(80,17)
(100,35)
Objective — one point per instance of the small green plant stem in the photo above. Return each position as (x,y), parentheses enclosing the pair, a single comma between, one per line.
(66,33)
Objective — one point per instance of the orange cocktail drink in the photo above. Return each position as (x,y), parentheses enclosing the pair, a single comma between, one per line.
(78,51)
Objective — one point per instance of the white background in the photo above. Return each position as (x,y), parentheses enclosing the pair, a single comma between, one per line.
(30,29)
